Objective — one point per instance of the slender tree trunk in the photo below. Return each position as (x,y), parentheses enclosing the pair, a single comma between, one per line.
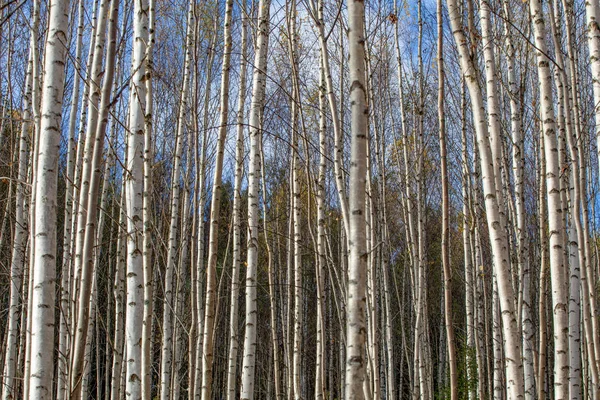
(209,317)
(541,372)
(237,220)
(63,347)
(498,239)
(445,210)
(81,281)
(119,295)
(320,379)
(134,177)
(17,262)
(555,223)
(357,262)
(166,366)
(258,100)
(95,165)
(146,368)
(44,271)
(201,167)
(272,297)
(335,119)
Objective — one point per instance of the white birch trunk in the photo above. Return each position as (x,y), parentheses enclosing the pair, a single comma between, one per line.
(357,261)
(91,226)
(211,278)
(498,239)
(134,203)
(555,222)
(237,221)
(17,262)
(88,141)
(258,100)
(64,335)
(147,214)
(41,371)
(166,365)
(119,295)
(335,120)
(320,379)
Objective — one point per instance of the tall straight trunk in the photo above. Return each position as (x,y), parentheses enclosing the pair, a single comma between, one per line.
(558,274)
(541,372)
(17,261)
(469,268)
(35,139)
(296,170)
(422,338)
(87,254)
(336,121)
(86,170)
(211,272)
(177,310)
(147,213)
(166,365)
(63,346)
(44,264)
(134,204)
(237,219)
(518,162)
(445,210)
(201,172)
(373,378)
(290,286)
(389,363)
(493,101)
(498,389)
(588,298)
(568,125)
(405,177)
(84,384)
(72,260)
(592,19)
(497,232)
(320,379)
(119,295)
(357,261)
(258,100)
(272,296)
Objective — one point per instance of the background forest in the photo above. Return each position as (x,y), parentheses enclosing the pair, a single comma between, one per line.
(299,199)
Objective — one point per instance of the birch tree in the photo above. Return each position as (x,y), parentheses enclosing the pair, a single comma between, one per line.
(209,316)
(257,104)
(514,371)
(44,264)
(134,176)
(356,325)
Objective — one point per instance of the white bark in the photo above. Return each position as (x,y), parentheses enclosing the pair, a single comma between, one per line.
(166,365)
(147,215)
(93,100)
(17,262)
(44,265)
(497,232)
(90,237)
(258,99)
(335,117)
(119,295)
(211,278)
(555,220)
(320,379)
(134,204)
(357,261)
(237,221)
